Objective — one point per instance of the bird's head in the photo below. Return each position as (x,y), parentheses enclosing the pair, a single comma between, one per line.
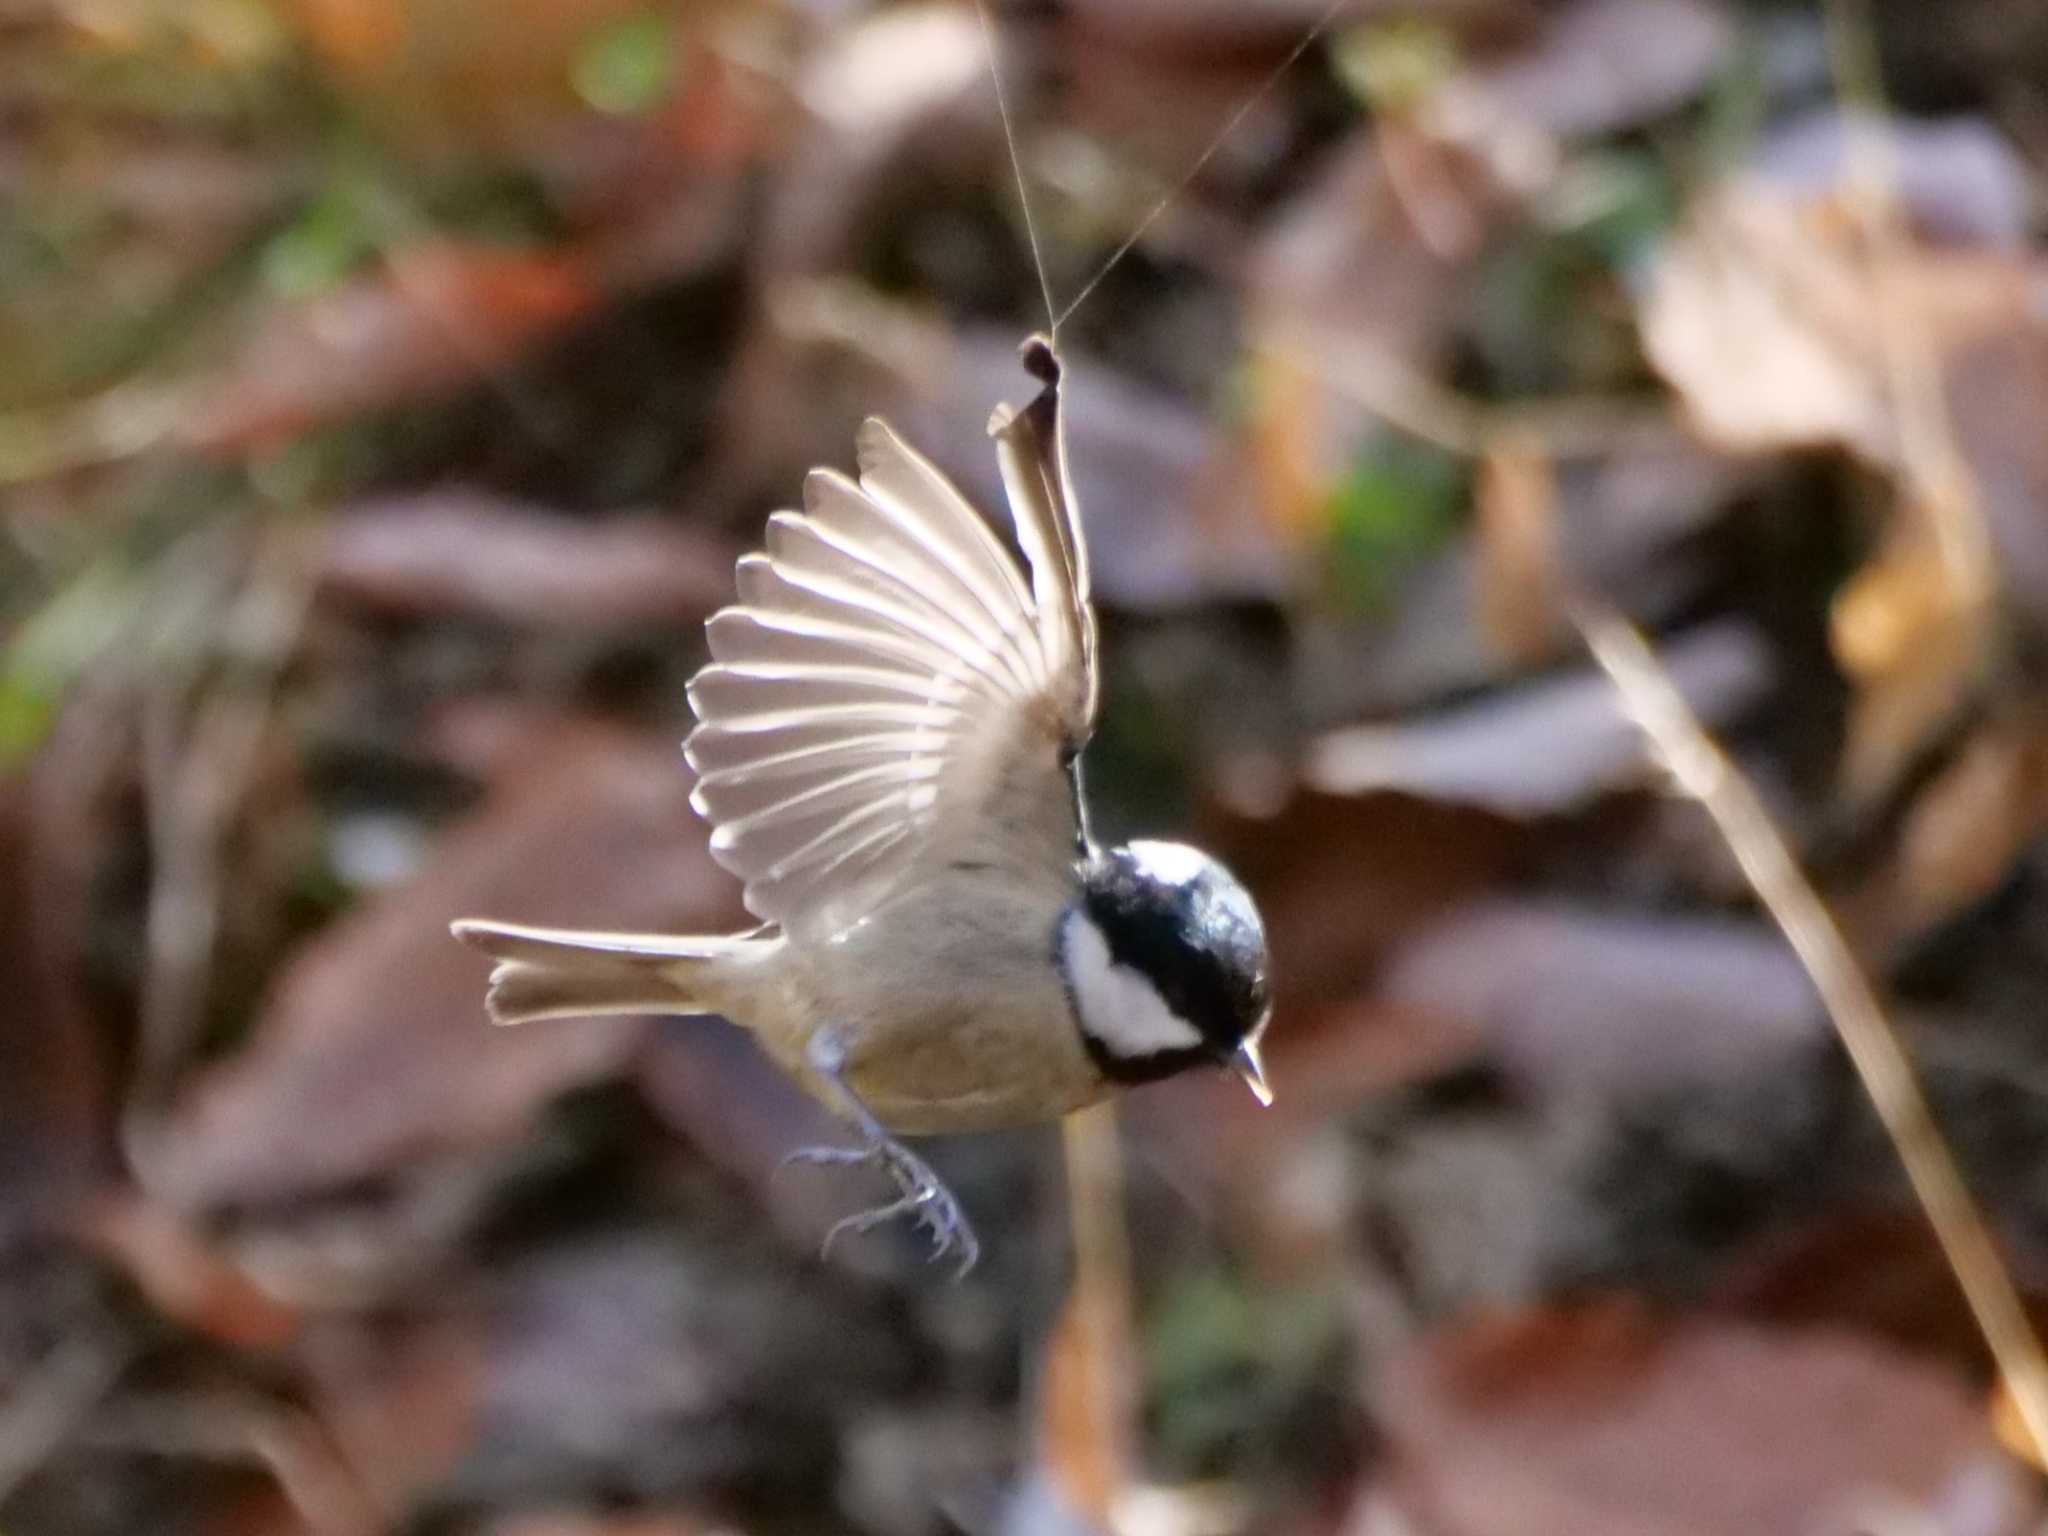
(1164,961)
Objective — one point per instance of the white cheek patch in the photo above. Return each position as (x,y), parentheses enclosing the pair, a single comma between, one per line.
(1117,1005)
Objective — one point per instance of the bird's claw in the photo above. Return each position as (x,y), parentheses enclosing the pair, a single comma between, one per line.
(923,1196)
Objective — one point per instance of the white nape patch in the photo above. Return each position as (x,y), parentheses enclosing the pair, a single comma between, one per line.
(1118,1007)
(1171,863)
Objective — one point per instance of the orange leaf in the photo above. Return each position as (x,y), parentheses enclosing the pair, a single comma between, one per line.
(186,1277)
(436,318)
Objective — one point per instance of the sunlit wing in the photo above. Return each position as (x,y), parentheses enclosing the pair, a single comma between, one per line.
(889,691)
(1032,450)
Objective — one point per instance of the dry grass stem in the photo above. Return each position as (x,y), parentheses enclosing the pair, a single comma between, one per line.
(1705,772)
(1411,402)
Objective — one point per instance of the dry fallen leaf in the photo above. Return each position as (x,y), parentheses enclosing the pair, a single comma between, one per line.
(1540,748)
(436,317)
(1782,328)
(1759,315)
(1603,1420)
(1344,881)
(187,1278)
(1914,651)
(1602,65)
(1959,180)
(1971,826)
(1875,1270)
(1963,836)
(401,1396)
(1622,1007)
(1761,312)
(456,551)
(511,76)
(680,1357)
(373,1048)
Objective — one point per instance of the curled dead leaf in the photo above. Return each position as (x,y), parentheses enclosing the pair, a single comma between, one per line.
(1601,65)
(1575,1003)
(1765,312)
(1916,651)
(1606,1420)
(436,317)
(1964,835)
(373,1050)
(1541,748)
(1759,315)
(188,1279)
(466,552)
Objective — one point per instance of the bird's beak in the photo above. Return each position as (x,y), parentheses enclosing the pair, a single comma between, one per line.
(1245,1062)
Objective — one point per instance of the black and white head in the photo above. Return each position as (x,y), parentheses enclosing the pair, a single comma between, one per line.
(1164,960)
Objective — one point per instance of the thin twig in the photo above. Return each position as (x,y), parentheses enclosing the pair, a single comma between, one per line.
(1403,397)
(1101,1307)
(1706,773)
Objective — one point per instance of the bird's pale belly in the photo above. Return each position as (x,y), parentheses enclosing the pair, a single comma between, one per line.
(975,1069)
(944,1031)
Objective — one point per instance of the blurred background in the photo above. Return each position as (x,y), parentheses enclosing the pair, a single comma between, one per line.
(386,389)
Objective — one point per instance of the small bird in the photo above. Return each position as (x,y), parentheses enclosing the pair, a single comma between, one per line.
(887,748)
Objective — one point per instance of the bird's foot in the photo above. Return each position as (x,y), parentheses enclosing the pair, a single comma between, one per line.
(922,1196)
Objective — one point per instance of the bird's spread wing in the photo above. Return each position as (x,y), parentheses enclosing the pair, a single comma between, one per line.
(889,694)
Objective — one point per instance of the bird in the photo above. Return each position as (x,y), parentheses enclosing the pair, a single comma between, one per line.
(888,748)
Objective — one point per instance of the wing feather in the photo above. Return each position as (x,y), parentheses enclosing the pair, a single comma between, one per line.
(785,845)
(831,799)
(737,802)
(742,635)
(916,549)
(767,762)
(910,489)
(1032,453)
(720,689)
(889,672)
(810,577)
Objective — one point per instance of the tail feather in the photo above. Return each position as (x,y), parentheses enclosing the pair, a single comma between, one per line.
(558,973)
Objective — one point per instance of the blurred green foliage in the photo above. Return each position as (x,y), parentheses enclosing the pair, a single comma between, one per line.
(1228,1359)
(1552,311)
(1399,502)
(628,66)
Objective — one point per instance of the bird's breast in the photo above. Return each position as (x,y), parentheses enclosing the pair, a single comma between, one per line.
(953,1012)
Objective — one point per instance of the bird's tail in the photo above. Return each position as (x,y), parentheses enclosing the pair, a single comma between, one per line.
(558,973)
